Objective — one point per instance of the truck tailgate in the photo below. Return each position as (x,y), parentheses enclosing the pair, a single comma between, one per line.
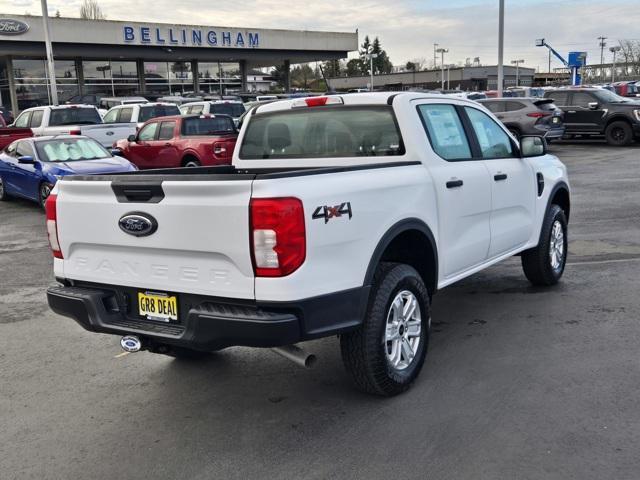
(201,244)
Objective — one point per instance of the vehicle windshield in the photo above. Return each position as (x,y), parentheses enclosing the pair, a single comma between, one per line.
(608,96)
(322,132)
(232,109)
(70,150)
(154,111)
(74,116)
(207,125)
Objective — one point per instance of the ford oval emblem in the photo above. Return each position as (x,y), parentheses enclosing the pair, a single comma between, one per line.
(9,26)
(138,224)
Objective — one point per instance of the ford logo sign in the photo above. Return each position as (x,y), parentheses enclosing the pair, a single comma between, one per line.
(8,26)
(138,224)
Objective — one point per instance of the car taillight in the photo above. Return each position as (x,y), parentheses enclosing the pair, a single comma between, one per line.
(538,114)
(52,225)
(278,237)
(75,132)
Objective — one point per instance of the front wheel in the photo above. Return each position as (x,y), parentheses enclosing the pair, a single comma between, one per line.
(385,355)
(191,163)
(43,193)
(544,264)
(3,192)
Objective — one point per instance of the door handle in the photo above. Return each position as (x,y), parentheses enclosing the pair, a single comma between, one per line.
(167,144)
(454,183)
(500,176)
(571,111)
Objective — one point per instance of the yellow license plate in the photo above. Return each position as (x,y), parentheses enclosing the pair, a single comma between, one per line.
(158,306)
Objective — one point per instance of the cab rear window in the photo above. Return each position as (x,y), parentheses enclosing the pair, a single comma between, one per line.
(322,132)
(74,116)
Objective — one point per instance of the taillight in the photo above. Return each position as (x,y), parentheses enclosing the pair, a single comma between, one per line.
(539,114)
(52,225)
(278,237)
(75,132)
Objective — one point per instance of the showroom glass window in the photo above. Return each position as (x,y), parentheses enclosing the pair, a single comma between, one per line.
(217,77)
(32,81)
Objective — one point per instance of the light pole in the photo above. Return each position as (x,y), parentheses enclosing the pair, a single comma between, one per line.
(614,50)
(371,56)
(435,55)
(442,51)
(517,64)
(50,65)
(602,45)
(500,48)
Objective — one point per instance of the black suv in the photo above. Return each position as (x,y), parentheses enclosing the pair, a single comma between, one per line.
(595,111)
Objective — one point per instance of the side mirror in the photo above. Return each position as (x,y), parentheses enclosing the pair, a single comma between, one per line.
(532,146)
(594,105)
(131,138)
(27,160)
(116,152)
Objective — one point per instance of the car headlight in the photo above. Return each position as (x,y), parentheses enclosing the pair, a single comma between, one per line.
(637,114)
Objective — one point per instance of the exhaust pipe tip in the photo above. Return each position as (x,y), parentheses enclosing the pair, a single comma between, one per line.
(297,355)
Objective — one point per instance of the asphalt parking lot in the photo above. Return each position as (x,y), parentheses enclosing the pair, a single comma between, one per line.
(520,382)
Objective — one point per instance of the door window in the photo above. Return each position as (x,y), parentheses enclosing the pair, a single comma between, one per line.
(24,149)
(166,130)
(493,141)
(560,98)
(23,120)
(125,115)
(196,109)
(111,116)
(11,149)
(148,132)
(36,118)
(445,131)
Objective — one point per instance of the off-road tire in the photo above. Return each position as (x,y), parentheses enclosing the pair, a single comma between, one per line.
(619,134)
(364,350)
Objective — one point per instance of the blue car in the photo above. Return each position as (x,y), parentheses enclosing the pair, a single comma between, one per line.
(30,167)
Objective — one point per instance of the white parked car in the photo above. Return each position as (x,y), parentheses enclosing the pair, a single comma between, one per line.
(341,215)
(233,108)
(140,113)
(72,120)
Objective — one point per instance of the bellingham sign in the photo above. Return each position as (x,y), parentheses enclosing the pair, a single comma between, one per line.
(192,37)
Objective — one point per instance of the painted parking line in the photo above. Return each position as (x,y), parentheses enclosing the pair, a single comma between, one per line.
(599,262)
(123,354)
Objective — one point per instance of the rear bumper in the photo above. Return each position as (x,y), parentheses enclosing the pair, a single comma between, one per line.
(209,323)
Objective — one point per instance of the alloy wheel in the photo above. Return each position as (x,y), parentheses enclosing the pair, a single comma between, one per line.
(403,330)
(556,246)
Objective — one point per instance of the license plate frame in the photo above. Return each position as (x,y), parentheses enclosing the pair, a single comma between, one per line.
(158,306)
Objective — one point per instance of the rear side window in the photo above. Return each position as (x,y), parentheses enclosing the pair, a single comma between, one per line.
(322,132)
(560,98)
(494,142)
(154,111)
(166,130)
(514,106)
(36,118)
(231,109)
(494,107)
(446,134)
(207,126)
(74,116)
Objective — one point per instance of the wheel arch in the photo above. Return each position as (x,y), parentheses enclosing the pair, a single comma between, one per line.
(409,241)
(560,196)
(617,118)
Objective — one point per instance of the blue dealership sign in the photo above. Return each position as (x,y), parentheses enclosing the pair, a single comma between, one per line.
(193,37)
(9,26)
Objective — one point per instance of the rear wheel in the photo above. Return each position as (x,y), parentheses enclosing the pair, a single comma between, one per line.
(3,191)
(385,355)
(619,134)
(544,264)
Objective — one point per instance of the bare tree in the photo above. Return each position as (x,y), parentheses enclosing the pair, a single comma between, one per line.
(420,63)
(90,10)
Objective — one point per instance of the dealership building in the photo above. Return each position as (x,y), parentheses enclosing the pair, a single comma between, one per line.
(115,58)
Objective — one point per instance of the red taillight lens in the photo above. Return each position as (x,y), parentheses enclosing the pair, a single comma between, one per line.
(278,237)
(538,114)
(52,225)
(75,132)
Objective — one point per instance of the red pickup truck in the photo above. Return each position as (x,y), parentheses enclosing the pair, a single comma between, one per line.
(9,134)
(181,141)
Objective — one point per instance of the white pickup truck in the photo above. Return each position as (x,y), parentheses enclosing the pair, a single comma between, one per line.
(340,215)
(137,114)
(72,120)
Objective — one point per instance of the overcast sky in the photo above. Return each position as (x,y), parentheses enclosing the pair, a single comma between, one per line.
(407,28)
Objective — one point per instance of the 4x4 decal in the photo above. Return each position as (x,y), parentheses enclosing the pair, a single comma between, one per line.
(333,212)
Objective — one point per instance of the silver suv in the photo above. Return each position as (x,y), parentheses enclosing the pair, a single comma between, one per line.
(528,116)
